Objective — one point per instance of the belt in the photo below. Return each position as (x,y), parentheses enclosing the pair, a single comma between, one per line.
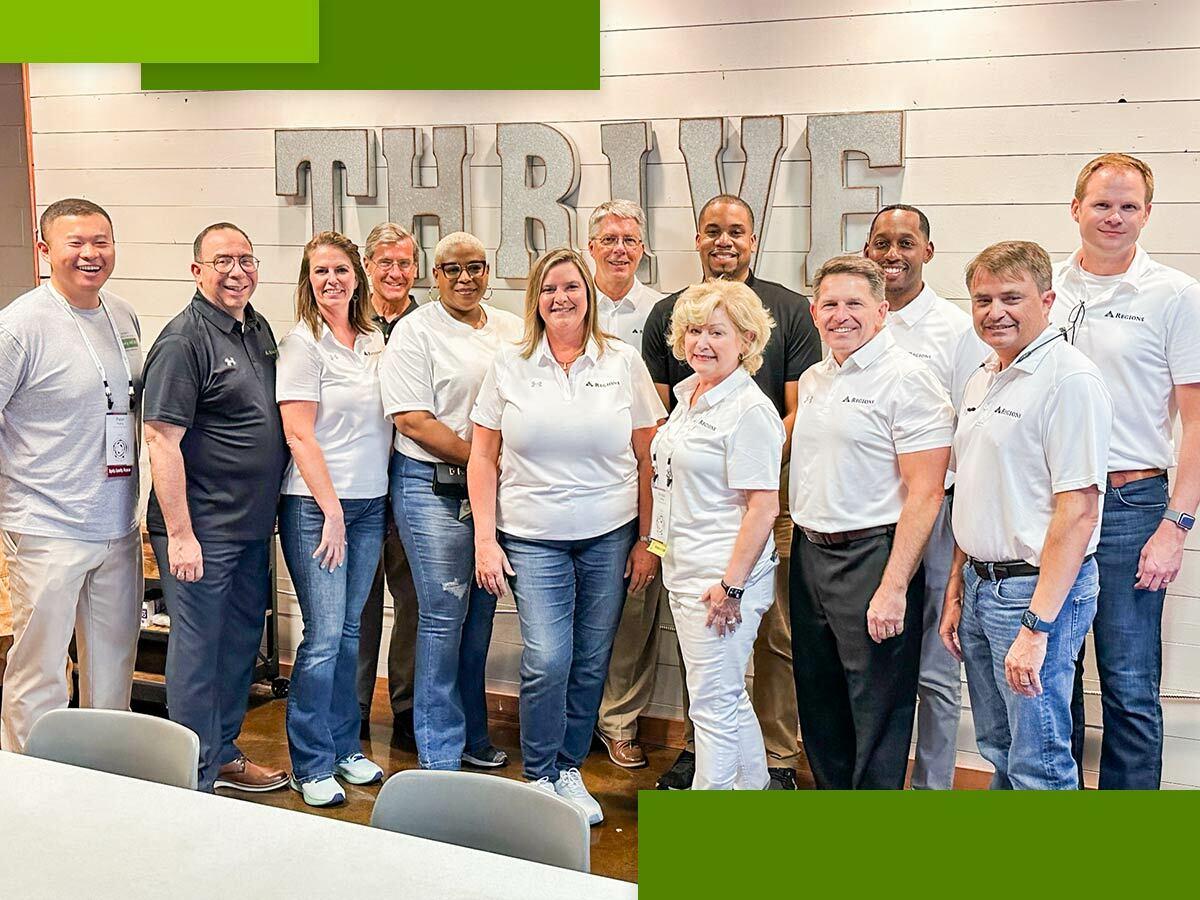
(1001,570)
(1120,479)
(837,538)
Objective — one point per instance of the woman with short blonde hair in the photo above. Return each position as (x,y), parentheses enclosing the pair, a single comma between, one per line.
(695,307)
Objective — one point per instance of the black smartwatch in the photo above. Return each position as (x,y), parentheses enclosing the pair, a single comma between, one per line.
(1031,621)
(731,592)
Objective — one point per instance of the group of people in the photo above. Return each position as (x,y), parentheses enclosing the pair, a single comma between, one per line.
(928,492)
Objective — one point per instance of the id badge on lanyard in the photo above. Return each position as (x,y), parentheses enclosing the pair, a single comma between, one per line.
(660,488)
(119,446)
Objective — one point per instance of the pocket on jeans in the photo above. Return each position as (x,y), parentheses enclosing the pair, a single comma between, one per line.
(1150,493)
(1016,590)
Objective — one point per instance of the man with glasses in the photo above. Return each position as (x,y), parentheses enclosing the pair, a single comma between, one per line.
(616,232)
(391,262)
(217,454)
(1139,321)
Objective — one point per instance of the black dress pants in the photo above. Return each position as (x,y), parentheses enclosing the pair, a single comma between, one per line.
(856,698)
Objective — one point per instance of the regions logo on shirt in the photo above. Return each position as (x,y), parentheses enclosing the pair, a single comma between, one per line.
(230,362)
(861,401)
(914,353)
(1011,413)
(1127,317)
(709,425)
(599,384)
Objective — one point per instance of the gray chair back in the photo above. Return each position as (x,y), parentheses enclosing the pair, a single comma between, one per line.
(120,742)
(485,812)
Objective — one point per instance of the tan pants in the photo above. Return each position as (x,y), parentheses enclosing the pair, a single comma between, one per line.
(60,587)
(634,661)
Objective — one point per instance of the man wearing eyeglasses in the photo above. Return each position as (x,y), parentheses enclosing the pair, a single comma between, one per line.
(1139,321)
(390,255)
(616,233)
(217,454)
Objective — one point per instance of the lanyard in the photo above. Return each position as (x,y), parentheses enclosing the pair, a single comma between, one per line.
(108,394)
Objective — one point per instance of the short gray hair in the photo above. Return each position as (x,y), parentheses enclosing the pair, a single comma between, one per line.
(622,209)
(453,241)
(389,233)
(868,270)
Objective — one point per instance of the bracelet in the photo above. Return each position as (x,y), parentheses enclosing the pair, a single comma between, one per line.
(733,593)
(644,539)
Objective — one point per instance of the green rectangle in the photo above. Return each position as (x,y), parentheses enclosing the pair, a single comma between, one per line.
(150,31)
(963,844)
(469,45)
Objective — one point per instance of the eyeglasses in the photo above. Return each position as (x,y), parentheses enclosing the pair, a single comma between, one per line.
(224,264)
(386,265)
(453,270)
(611,240)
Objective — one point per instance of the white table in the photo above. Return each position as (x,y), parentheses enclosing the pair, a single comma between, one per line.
(71,832)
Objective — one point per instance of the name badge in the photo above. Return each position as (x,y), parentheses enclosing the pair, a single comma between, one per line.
(660,521)
(120,449)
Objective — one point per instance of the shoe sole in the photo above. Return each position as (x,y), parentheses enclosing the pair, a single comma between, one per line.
(249,789)
(375,779)
(478,763)
(616,762)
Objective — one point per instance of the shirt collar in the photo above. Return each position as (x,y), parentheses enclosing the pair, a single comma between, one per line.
(871,350)
(1133,276)
(545,356)
(714,395)
(1026,360)
(219,317)
(916,308)
(635,297)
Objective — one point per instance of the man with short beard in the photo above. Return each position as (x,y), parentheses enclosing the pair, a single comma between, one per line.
(726,242)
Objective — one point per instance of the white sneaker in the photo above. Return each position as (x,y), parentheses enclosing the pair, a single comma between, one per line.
(322,792)
(570,787)
(357,769)
(543,785)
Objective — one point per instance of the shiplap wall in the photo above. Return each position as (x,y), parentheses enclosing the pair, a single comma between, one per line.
(1004,102)
(16,228)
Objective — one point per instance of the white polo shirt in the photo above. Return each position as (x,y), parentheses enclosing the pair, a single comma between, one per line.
(435,363)
(354,437)
(853,422)
(1143,332)
(1038,428)
(730,442)
(567,468)
(627,318)
(942,336)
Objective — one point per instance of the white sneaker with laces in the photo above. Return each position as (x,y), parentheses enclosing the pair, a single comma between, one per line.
(322,792)
(357,769)
(570,787)
(543,785)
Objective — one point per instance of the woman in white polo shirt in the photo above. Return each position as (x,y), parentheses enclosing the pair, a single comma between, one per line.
(870,446)
(716,492)
(331,515)
(560,486)
(431,372)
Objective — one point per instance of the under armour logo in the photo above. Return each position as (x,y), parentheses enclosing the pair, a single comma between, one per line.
(230,362)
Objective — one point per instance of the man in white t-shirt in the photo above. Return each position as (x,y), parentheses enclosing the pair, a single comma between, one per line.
(1139,321)
(1029,460)
(616,233)
(940,335)
(70,394)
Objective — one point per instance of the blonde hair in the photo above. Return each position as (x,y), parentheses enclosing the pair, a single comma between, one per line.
(868,270)
(535,327)
(1116,161)
(696,305)
(620,209)
(389,233)
(307,310)
(453,241)
(1013,258)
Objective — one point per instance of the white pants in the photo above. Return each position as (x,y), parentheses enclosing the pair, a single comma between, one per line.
(60,586)
(729,744)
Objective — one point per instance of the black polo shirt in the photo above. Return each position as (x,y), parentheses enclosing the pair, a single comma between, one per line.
(794,344)
(215,376)
(386,326)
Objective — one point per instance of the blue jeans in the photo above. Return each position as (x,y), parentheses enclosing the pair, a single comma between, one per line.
(216,627)
(569,598)
(1128,636)
(454,618)
(322,711)
(1027,739)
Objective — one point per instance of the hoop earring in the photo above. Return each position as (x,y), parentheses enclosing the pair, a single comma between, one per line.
(487,295)
(741,358)
(433,295)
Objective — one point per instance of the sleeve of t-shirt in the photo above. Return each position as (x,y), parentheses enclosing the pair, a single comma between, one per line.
(489,405)
(1076,431)
(923,418)
(12,366)
(654,343)
(754,450)
(171,381)
(1183,337)
(645,406)
(405,373)
(801,340)
(298,371)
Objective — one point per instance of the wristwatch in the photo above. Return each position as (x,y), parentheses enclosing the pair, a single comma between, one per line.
(1031,621)
(1182,519)
(731,592)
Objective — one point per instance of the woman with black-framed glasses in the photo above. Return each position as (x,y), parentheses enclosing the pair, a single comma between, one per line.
(432,369)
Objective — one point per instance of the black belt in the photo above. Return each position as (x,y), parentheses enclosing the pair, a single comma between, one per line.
(837,538)
(1001,570)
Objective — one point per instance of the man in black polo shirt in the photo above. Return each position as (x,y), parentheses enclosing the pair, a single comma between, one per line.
(726,242)
(217,454)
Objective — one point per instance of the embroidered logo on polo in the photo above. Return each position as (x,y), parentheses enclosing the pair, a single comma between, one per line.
(601,384)
(230,362)
(536,382)
(920,355)
(708,425)
(1127,317)
(1011,413)
(861,401)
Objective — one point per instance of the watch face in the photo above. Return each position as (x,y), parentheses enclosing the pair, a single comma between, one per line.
(1029,620)
(1186,521)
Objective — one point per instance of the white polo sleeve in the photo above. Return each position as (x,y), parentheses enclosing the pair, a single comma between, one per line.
(754,450)
(645,406)
(1183,336)
(489,405)
(1076,431)
(923,418)
(406,373)
(298,370)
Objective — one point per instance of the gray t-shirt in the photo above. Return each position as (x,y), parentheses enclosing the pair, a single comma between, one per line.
(53,477)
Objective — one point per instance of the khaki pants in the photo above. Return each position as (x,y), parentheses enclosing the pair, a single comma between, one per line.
(92,589)
(633,664)
(402,647)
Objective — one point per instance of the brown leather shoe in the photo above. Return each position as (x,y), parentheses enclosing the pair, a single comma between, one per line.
(244,775)
(626,754)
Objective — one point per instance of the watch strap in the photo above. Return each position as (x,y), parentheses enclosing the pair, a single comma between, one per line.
(733,593)
(1182,519)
